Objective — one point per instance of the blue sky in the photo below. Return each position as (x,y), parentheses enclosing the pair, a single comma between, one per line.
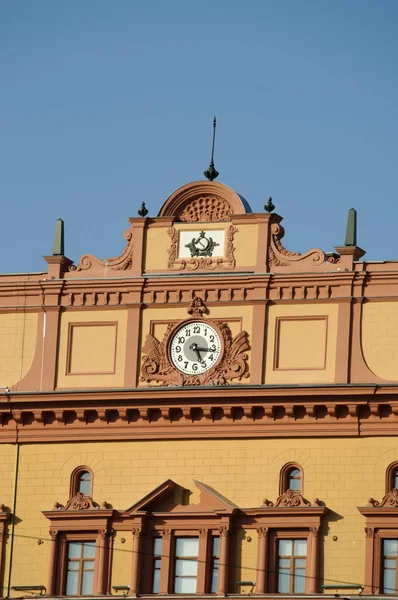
(105,104)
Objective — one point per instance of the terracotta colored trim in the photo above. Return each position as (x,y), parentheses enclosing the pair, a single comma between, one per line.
(343,343)
(258,343)
(390,471)
(136,560)
(224,554)
(133,346)
(74,480)
(50,350)
(166,563)
(31,381)
(139,226)
(293,532)
(283,477)
(263,234)
(359,370)
(175,204)
(278,322)
(71,328)
(262,551)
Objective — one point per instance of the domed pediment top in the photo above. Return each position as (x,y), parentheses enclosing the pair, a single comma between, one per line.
(204,201)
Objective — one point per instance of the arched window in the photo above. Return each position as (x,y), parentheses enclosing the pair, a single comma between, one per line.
(392,477)
(82,481)
(291,478)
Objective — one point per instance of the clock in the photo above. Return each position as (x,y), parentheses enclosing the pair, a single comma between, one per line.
(195,347)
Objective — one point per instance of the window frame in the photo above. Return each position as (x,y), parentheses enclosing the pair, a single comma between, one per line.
(391,470)
(62,566)
(273,563)
(284,477)
(182,558)
(75,477)
(381,524)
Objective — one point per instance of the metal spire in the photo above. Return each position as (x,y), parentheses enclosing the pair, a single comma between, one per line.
(211,172)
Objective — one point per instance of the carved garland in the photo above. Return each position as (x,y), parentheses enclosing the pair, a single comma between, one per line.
(157,368)
(208,263)
(279,256)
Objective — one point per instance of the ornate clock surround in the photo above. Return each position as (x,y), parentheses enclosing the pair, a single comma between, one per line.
(157,367)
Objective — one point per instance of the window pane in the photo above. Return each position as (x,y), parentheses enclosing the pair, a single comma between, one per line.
(216,546)
(283,582)
(284,563)
(390,547)
(85,483)
(73,565)
(187,546)
(294,484)
(71,583)
(389,581)
(186,567)
(74,550)
(214,577)
(285,547)
(395,479)
(89,550)
(186,585)
(300,547)
(156,581)
(300,563)
(157,547)
(87,583)
(299,581)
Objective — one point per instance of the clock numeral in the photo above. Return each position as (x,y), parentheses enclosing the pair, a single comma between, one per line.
(186,365)
(205,332)
(181,340)
(179,358)
(211,357)
(212,348)
(195,367)
(196,329)
(187,332)
(178,348)
(211,338)
(204,365)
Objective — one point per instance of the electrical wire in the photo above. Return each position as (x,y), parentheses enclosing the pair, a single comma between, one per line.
(246,567)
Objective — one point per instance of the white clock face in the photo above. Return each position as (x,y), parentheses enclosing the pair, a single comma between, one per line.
(195,348)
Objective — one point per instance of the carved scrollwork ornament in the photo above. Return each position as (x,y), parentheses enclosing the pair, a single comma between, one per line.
(136,532)
(157,367)
(79,502)
(389,500)
(102,534)
(203,533)
(289,499)
(165,534)
(369,532)
(262,532)
(223,530)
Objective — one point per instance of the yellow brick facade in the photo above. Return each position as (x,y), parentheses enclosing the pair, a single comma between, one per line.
(343,474)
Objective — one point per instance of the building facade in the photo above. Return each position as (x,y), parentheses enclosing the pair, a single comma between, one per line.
(208,413)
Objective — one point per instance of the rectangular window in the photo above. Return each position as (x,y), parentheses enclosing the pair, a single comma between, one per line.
(389,569)
(215,561)
(80,568)
(186,565)
(157,559)
(292,563)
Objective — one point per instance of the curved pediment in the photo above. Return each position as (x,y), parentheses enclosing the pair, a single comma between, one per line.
(204,201)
